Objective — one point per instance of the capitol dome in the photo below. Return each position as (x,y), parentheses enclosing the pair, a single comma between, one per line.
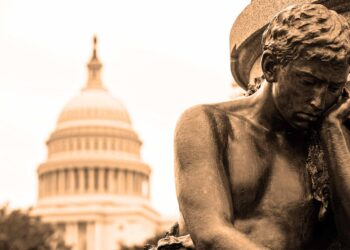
(94,104)
(94,184)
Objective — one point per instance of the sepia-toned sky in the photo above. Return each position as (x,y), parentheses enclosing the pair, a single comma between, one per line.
(160,57)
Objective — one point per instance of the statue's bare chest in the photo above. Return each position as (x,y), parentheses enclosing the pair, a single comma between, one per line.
(259,168)
(270,188)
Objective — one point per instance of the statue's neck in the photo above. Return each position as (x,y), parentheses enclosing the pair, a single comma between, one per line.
(267,113)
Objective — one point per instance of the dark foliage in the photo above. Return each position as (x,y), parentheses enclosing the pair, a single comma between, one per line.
(20,231)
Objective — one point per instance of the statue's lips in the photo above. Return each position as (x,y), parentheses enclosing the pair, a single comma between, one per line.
(307,116)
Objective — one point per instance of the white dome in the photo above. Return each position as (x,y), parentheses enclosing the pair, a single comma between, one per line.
(96,104)
(98,98)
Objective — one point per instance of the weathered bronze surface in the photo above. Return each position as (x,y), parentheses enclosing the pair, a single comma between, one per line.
(272,170)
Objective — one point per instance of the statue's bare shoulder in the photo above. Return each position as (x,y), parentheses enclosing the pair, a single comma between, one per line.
(201,138)
(210,123)
(206,121)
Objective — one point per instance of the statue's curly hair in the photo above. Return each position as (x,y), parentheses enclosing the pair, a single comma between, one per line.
(309,31)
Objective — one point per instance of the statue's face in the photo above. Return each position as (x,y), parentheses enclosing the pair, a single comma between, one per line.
(305,89)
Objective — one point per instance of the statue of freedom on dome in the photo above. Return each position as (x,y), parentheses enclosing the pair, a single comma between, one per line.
(272,170)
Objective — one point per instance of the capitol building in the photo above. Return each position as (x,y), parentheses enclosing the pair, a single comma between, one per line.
(94,185)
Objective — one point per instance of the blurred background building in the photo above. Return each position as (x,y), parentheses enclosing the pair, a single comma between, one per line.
(94,185)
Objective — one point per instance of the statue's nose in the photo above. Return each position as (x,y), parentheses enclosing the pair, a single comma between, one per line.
(319,98)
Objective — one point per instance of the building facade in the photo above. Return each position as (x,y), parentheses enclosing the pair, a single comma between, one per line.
(94,185)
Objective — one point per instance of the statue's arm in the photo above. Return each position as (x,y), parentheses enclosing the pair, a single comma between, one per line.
(202,185)
(335,138)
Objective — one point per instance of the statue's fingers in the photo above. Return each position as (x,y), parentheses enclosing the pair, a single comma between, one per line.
(346,92)
(344,110)
(340,111)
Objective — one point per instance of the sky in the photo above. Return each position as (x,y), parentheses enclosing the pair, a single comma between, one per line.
(160,57)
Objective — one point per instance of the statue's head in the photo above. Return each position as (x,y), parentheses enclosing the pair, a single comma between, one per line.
(309,31)
(306,59)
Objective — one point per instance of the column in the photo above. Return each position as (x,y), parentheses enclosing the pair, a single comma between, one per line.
(57,181)
(81,180)
(129,182)
(144,186)
(90,233)
(100,180)
(62,181)
(139,183)
(60,175)
(53,183)
(43,185)
(76,180)
(47,184)
(71,235)
(66,181)
(105,180)
(82,237)
(126,181)
(110,180)
(148,188)
(133,183)
(91,180)
(112,144)
(86,180)
(40,185)
(121,181)
(99,235)
(71,181)
(116,181)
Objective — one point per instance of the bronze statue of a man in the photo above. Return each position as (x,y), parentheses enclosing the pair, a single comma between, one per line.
(272,170)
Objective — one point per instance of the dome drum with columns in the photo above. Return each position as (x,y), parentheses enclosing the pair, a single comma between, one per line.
(94,183)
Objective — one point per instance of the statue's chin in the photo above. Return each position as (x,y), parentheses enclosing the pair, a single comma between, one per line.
(299,124)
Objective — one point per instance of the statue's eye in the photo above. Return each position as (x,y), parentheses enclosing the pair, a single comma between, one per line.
(308,82)
(333,88)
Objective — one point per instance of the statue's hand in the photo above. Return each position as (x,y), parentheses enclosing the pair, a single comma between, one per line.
(339,113)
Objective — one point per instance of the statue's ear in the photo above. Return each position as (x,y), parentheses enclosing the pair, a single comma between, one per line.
(268,65)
